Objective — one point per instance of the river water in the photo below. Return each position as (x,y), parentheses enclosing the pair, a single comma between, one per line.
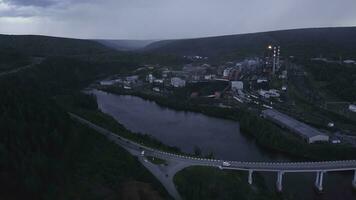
(188,130)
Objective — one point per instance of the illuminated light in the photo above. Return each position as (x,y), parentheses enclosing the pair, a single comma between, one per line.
(270,47)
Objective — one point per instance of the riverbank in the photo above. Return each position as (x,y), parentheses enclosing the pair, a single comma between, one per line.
(265,133)
(85,105)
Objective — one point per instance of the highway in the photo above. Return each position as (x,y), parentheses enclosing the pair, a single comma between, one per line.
(256,166)
(178,162)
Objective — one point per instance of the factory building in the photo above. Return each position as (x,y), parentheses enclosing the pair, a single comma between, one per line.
(237,85)
(177,82)
(308,133)
(352,108)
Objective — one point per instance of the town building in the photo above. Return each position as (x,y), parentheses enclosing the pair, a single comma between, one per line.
(352,108)
(156,89)
(158,81)
(262,80)
(237,85)
(226,72)
(150,78)
(177,82)
(132,79)
(269,93)
(209,77)
(349,62)
(109,82)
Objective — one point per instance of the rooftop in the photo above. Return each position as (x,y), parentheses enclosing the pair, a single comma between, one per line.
(291,123)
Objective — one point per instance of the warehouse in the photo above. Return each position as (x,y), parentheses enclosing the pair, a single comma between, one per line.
(308,133)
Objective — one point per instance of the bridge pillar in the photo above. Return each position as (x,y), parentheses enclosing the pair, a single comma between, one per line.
(354,181)
(279,181)
(250,177)
(319,181)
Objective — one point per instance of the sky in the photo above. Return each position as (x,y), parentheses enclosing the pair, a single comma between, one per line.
(168,19)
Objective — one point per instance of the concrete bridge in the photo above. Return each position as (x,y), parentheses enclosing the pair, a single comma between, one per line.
(178,162)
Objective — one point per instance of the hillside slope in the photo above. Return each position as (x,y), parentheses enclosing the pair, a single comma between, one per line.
(35,45)
(333,42)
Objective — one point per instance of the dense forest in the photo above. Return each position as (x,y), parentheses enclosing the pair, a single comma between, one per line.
(10,59)
(46,155)
(339,79)
(329,42)
(36,45)
(211,184)
(43,153)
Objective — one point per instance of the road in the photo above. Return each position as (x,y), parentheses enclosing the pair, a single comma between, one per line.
(178,162)
(35,61)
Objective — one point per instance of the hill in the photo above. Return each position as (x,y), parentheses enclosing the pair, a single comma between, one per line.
(35,45)
(331,42)
(125,45)
(10,58)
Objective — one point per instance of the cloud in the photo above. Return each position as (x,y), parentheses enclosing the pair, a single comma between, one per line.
(37,3)
(156,19)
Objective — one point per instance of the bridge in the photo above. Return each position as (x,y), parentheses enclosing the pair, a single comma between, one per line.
(178,162)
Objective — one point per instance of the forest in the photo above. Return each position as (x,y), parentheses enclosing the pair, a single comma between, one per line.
(340,79)
(46,155)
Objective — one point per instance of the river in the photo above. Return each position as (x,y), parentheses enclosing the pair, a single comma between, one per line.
(188,130)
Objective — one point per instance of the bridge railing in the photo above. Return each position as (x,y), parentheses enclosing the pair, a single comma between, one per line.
(320,167)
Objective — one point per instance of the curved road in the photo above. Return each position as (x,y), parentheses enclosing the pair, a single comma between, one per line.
(178,162)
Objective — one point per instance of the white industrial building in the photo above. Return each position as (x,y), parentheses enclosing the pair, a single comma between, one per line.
(308,133)
(352,108)
(349,62)
(132,79)
(237,85)
(107,83)
(177,82)
(226,72)
(262,80)
(156,89)
(150,78)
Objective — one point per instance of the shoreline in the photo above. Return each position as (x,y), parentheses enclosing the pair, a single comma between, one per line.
(272,138)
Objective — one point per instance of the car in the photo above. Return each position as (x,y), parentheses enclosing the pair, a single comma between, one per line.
(142,153)
(226,164)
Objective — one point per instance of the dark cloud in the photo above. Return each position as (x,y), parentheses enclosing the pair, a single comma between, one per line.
(38,3)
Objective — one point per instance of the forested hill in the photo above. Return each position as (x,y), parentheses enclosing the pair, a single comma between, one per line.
(35,45)
(332,42)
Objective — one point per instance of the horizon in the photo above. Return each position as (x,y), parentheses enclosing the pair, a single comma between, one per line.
(155,40)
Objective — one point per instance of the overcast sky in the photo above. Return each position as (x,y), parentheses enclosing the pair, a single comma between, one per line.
(162,19)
